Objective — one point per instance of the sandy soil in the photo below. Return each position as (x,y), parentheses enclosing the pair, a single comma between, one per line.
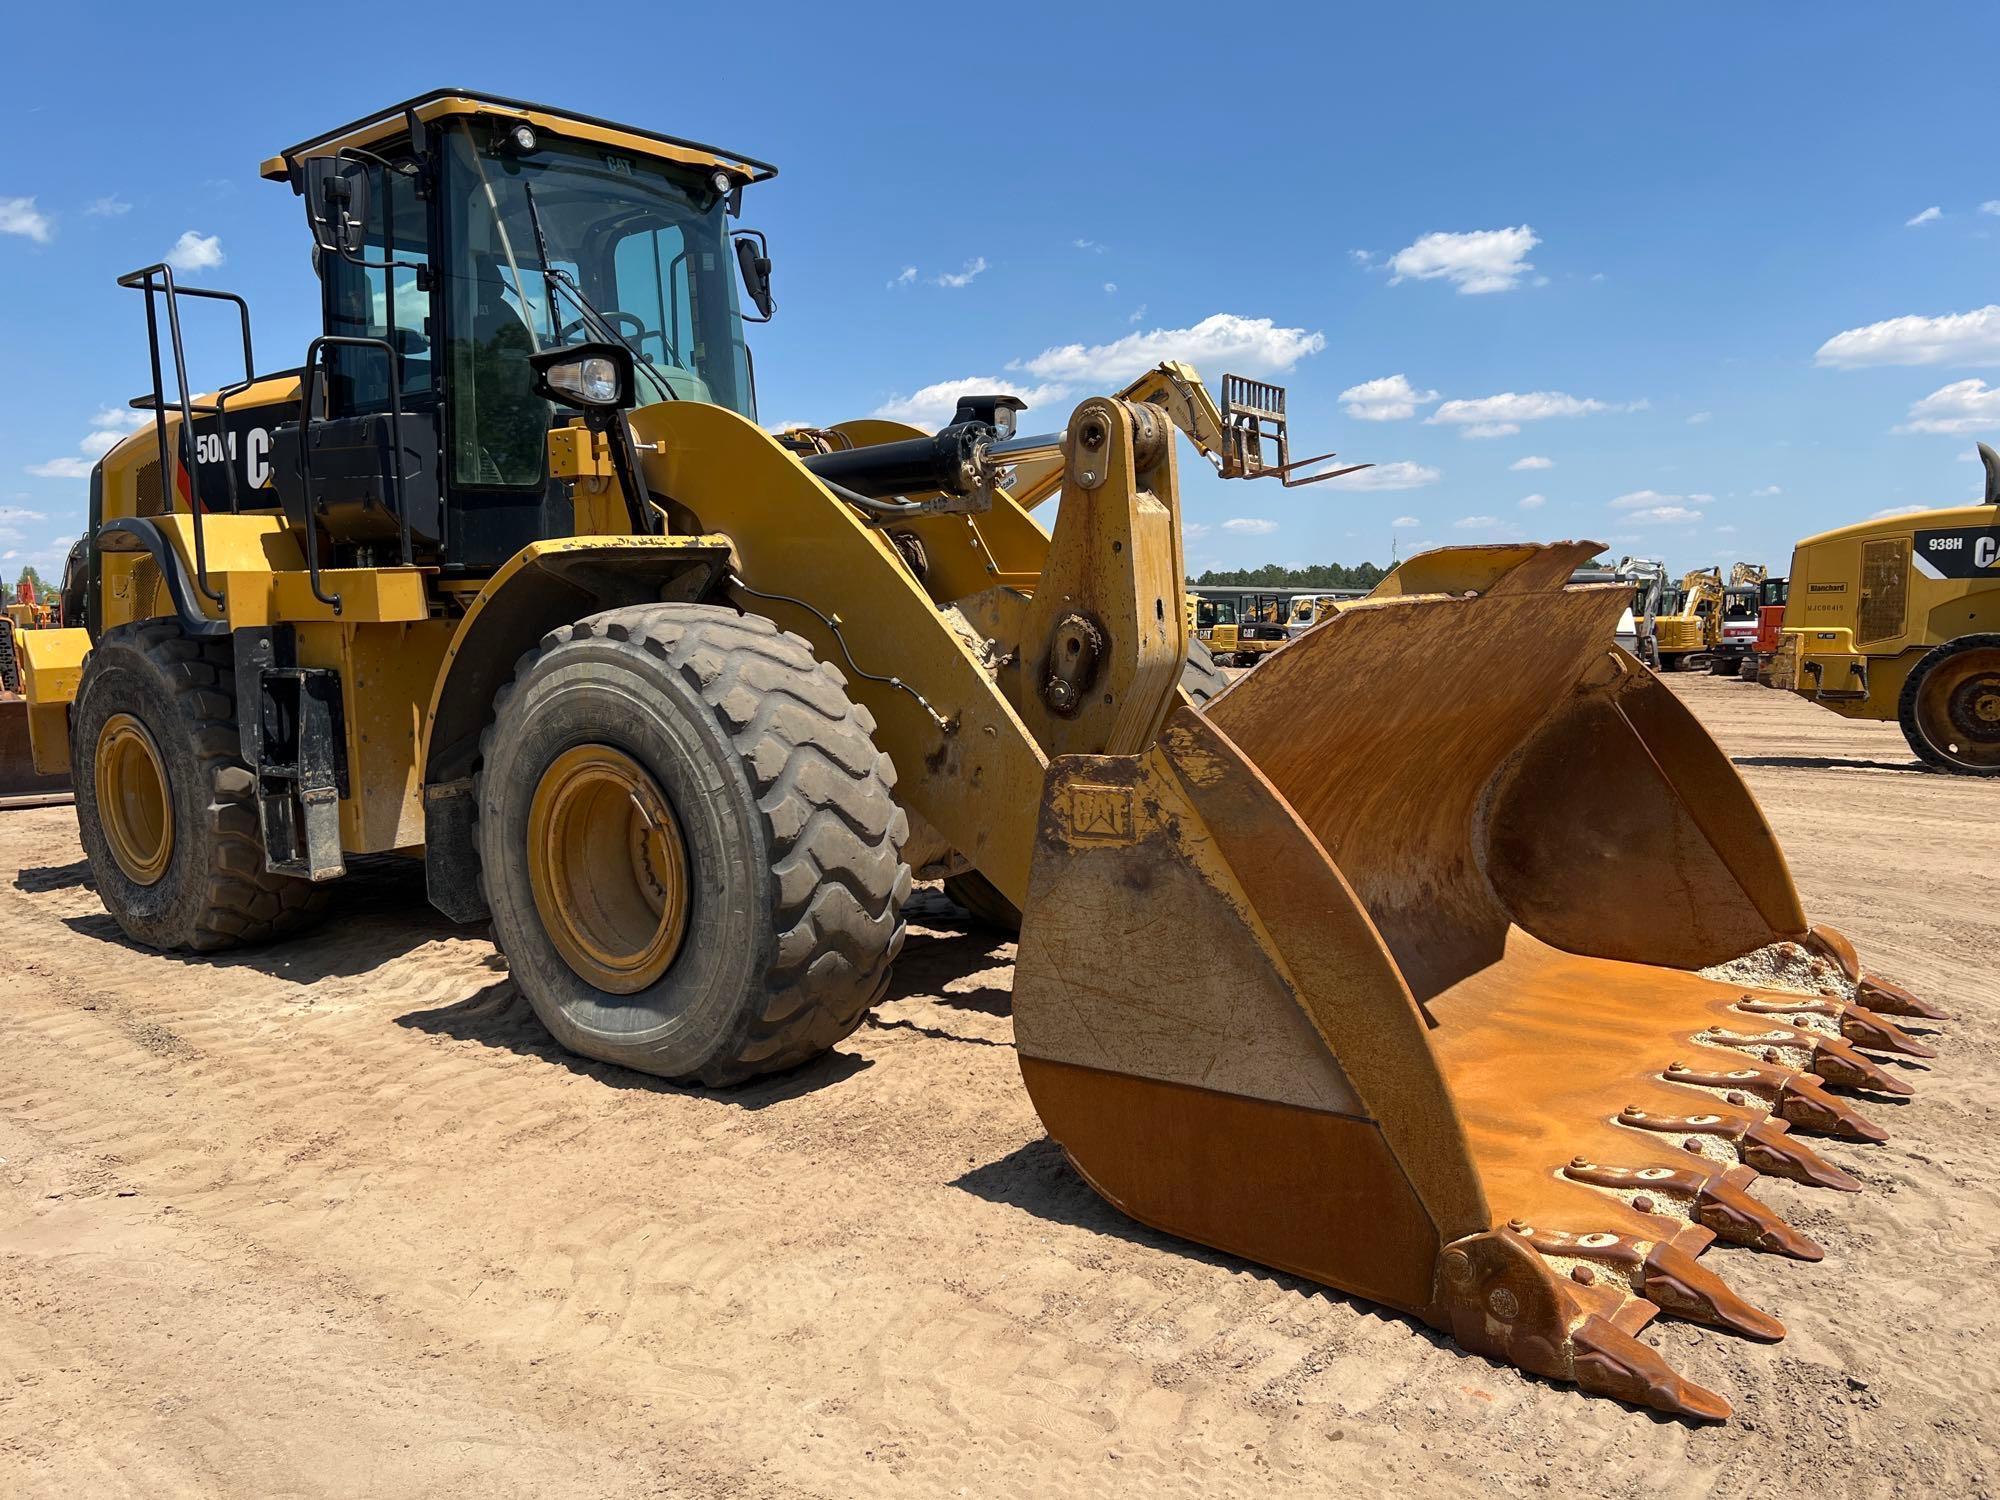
(340,1220)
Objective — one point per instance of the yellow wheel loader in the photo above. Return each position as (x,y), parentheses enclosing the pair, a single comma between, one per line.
(1899,618)
(21,784)
(1338,974)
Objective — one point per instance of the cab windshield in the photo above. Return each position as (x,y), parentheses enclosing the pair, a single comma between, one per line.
(575,243)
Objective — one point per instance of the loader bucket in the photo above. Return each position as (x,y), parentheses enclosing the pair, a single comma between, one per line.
(21,785)
(1385,972)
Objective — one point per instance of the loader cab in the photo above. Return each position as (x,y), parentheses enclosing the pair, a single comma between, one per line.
(455,239)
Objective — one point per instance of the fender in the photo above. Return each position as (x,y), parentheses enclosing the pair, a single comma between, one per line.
(542,587)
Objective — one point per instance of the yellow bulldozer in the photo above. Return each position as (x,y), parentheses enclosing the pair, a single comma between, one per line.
(1335,968)
(1899,618)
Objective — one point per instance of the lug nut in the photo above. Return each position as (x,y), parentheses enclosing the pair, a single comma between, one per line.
(1643,1204)
(1582,1275)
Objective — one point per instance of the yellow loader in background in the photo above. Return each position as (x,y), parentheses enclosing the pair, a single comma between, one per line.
(1339,974)
(1899,618)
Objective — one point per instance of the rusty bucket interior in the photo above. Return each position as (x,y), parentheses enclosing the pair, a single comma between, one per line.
(1387,971)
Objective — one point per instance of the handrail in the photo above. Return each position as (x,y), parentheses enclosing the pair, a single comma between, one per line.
(143,280)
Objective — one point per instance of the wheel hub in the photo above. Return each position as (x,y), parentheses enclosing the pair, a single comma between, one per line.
(1958,709)
(608,868)
(133,805)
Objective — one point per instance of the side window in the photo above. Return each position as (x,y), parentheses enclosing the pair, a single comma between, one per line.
(371,302)
(651,272)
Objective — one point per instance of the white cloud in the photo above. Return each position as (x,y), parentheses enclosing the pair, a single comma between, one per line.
(1532,502)
(1653,499)
(1091,245)
(107,429)
(1193,531)
(1990,206)
(1485,260)
(1898,510)
(1929,216)
(1137,313)
(1406,521)
(1651,508)
(108,207)
(905,277)
(1532,461)
(1402,475)
(20,216)
(11,515)
(62,468)
(1969,338)
(933,405)
(963,278)
(196,252)
(1767,490)
(1963,406)
(1725,530)
(1391,398)
(1490,430)
(1512,406)
(1475,523)
(1701,417)
(1362,257)
(1110,286)
(1219,341)
(1250,526)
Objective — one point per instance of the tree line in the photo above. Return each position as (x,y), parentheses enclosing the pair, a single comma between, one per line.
(1317,576)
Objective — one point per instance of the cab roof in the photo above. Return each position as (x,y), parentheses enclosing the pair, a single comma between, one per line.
(1971,513)
(438,104)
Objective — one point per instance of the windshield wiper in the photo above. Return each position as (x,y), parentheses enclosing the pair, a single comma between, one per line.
(552,277)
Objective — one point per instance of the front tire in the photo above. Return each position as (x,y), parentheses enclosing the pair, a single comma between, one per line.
(1950,706)
(164,804)
(690,844)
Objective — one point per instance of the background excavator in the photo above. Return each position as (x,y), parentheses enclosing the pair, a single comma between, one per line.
(1334,968)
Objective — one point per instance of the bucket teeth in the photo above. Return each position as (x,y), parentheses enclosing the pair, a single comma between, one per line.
(1887,999)
(1852,1023)
(1608,1362)
(1766,1147)
(1676,1283)
(1787,1093)
(1728,1212)
(1807,1106)
(1719,1201)
(1821,1054)
(1500,1295)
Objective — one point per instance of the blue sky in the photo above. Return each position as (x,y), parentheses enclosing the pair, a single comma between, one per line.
(1702,279)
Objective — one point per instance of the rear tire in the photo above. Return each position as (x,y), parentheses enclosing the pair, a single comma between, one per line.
(180,863)
(1950,706)
(784,811)
(1201,678)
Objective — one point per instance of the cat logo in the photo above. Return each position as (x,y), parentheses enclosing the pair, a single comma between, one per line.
(1961,552)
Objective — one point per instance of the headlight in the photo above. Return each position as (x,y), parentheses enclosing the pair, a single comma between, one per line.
(593,382)
(598,376)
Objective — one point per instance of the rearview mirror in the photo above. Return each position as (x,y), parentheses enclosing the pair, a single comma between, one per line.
(753,258)
(337,203)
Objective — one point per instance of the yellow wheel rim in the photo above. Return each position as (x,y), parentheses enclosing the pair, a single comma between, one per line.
(133,805)
(608,868)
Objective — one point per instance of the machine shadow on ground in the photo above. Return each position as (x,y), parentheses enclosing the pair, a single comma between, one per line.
(499,1016)
(1826,763)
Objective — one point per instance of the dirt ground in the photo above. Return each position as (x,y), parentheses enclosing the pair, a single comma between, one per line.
(339,1220)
